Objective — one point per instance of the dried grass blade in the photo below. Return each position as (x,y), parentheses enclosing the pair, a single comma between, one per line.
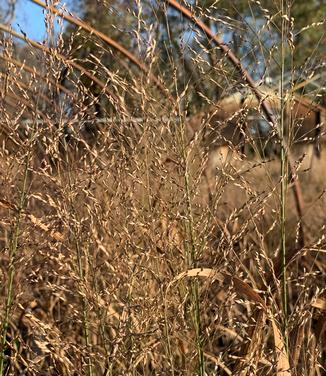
(242,288)
(283,365)
(36,221)
(45,228)
(218,362)
(251,353)
(319,303)
(296,350)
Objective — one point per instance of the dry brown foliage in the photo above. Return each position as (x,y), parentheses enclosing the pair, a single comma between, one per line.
(125,248)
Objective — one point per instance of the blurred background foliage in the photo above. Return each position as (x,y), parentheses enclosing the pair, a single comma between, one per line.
(183,58)
(251,29)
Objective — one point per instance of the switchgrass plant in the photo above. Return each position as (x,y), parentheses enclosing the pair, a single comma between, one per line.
(147,223)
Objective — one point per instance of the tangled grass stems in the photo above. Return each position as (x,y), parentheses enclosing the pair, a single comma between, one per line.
(192,257)
(129,194)
(13,248)
(81,261)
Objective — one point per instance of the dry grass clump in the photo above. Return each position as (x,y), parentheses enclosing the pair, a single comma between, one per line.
(123,251)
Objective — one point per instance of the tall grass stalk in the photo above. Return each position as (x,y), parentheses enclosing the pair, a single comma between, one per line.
(284,170)
(192,254)
(13,246)
(81,257)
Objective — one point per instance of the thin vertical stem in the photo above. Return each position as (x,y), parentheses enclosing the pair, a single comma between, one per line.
(190,248)
(284,174)
(12,254)
(191,263)
(80,268)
